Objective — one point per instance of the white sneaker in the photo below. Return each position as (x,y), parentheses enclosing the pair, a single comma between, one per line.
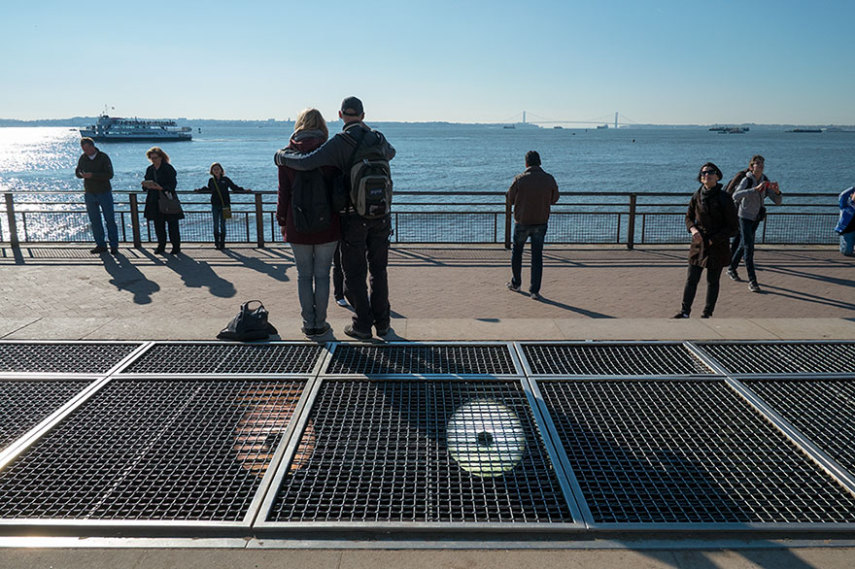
(341,302)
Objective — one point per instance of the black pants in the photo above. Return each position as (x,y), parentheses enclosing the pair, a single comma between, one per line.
(160,224)
(692,279)
(364,251)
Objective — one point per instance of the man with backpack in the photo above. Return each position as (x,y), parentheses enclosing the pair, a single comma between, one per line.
(749,196)
(362,154)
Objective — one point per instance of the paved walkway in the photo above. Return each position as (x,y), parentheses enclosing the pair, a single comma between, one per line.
(437,293)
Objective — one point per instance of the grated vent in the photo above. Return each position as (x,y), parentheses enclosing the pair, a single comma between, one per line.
(62,357)
(24,404)
(823,410)
(683,451)
(420,451)
(784,358)
(421,359)
(269,359)
(612,359)
(154,450)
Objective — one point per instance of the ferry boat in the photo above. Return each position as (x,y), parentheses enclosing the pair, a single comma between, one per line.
(120,129)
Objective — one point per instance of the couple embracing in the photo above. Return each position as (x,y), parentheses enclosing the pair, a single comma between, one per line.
(352,165)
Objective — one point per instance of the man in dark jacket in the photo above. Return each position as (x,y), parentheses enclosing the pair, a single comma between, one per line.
(531,194)
(96,170)
(365,242)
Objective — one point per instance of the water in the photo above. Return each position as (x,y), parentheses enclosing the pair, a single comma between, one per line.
(453,158)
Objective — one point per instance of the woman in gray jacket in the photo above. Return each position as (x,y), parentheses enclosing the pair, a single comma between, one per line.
(749,197)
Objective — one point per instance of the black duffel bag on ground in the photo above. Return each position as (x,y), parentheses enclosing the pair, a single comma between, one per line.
(249,324)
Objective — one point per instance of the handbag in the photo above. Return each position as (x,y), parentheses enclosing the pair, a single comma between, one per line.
(168,205)
(249,324)
(227,210)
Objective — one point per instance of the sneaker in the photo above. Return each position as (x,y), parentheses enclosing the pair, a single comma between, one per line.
(734,276)
(754,287)
(98,249)
(382,331)
(535,296)
(341,302)
(706,315)
(354,333)
(680,315)
(175,251)
(114,250)
(512,287)
(307,331)
(160,251)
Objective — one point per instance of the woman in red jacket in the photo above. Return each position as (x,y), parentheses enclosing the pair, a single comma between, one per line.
(313,252)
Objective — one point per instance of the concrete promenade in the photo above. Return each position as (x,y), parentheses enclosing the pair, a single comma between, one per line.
(437,293)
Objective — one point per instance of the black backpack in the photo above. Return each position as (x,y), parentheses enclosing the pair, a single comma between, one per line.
(735,181)
(249,324)
(370,177)
(310,202)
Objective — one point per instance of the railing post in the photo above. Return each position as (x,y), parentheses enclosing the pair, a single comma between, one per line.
(630,228)
(259,221)
(10,216)
(507,223)
(135,220)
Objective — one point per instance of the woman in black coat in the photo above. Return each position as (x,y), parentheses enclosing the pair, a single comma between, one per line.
(161,177)
(711,219)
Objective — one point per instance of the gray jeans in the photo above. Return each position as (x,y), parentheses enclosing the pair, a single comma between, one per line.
(313,281)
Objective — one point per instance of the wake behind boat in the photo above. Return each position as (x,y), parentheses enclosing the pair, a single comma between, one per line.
(120,129)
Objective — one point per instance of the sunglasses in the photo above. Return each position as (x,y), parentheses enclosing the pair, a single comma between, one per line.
(707,172)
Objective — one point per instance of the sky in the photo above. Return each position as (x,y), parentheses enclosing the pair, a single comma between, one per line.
(654,62)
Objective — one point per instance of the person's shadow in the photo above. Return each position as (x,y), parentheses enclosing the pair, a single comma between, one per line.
(198,274)
(127,277)
(272,269)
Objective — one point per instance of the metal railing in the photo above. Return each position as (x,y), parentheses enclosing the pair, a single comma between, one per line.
(627,218)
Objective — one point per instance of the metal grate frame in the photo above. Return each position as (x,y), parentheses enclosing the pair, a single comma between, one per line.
(610,359)
(419,454)
(407,359)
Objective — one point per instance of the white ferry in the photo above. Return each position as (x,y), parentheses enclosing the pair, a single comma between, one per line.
(119,129)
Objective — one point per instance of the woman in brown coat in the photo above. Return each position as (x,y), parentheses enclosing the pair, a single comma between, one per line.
(711,219)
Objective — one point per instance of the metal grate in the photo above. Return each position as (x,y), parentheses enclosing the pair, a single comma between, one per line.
(422,359)
(154,450)
(823,410)
(24,404)
(612,359)
(685,451)
(61,357)
(784,358)
(420,451)
(270,359)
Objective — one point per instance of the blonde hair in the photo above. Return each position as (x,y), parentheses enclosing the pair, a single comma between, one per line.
(311,119)
(159,151)
(214,165)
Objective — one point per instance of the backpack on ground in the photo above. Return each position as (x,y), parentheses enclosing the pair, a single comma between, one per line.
(310,202)
(370,178)
(735,181)
(249,324)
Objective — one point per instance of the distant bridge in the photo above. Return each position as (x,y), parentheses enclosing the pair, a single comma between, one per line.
(525,117)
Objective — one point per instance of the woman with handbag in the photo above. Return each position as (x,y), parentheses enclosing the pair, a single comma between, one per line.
(221,206)
(313,251)
(161,204)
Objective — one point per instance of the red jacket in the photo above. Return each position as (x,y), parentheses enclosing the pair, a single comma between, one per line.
(303,142)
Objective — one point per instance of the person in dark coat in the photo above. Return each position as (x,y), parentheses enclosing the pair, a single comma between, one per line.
(712,221)
(161,177)
(218,186)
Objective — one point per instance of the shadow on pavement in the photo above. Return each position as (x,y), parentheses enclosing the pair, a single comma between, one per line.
(127,277)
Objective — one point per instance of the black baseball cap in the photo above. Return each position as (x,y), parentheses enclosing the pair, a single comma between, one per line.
(352,107)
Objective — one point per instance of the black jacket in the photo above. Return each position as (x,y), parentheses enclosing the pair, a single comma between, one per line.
(166,177)
(225,184)
(335,151)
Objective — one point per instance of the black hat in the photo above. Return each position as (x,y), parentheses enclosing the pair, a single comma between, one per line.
(352,107)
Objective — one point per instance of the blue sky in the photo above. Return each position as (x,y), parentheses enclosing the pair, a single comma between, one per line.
(666,62)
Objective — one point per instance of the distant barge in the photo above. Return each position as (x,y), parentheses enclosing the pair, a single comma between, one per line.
(119,129)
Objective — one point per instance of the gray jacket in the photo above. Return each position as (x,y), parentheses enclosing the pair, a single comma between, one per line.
(335,151)
(748,200)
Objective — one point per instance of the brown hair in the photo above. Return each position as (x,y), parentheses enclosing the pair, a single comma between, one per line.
(757,158)
(87,140)
(159,151)
(311,119)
